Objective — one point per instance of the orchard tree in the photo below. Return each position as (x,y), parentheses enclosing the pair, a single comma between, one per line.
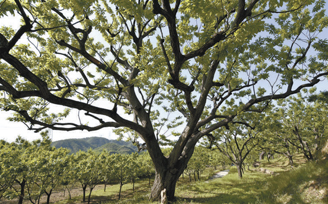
(146,166)
(302,126)
(198,162)
(107,170)
(236,143)
(13,170)
(88,169)
(157,68)
(274,137)
(122,169)
(36,158)
(69,178)
(135,168)
(17,172)
(51,165)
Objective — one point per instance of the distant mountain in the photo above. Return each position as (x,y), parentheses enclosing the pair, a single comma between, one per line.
(116,148)
(96,143)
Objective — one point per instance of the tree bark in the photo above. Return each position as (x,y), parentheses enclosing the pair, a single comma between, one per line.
(262,155)
(169,169)
(84,187)
(240,170)
(119,193)
(291,162)
(69,193)
(48,196)
(89,198)
(21,196)
(269,156)
(163,180)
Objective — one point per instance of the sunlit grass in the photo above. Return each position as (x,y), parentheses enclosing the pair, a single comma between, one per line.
(305,184)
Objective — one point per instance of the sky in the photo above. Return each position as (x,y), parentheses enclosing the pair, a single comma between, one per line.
(10,130)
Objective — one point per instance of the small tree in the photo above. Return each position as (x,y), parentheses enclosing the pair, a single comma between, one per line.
(198,162)
(236,144)
(51,166)
(13,169)
(302,126)
(17,162)
(121,169)
(69,177)
(88,170)
(146,165)
(107,169)
(135,168)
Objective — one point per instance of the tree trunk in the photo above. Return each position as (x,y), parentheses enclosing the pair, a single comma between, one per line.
(165,180)
(21,196)
(48,196)
(84,187)
(240,170)
(119,193)
(39,198)
(304,146)
(89,198)
(269,156)
(310,156)
(291,162)
(168,169)
(69,193)
(262,155)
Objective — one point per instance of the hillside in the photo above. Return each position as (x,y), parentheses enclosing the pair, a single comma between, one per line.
(116,148)
(96,143)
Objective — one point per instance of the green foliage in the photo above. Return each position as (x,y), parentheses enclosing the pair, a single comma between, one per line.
(296,125)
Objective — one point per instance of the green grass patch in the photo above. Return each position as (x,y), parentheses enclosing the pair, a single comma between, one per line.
(304,184)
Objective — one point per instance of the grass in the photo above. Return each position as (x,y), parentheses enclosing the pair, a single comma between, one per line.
(305,183)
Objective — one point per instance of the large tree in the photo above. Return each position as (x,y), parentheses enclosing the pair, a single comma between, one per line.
(185,68)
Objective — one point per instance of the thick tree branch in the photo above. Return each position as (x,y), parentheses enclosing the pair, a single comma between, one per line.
(62,127)
(17,94)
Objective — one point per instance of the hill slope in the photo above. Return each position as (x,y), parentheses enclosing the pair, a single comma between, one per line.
(96,143)
(116,148)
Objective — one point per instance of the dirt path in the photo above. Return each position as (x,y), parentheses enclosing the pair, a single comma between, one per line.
(220,174)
